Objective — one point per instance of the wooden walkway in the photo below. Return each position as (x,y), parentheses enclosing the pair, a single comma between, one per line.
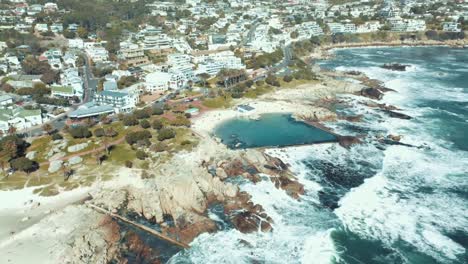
(139,226)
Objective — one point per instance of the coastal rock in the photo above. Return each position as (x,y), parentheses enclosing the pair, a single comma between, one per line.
(246,216)
(348,141)
(136,251)
(221,173)
(315,114)
(395,66)
(292,187)
(396,138)
(99,245)
(145,203)
(356,118)
(397,115)
(77,147)
(372,93)
(55,166)
(190,226)
(110,199)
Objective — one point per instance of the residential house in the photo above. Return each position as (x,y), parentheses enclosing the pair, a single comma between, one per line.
(19,118)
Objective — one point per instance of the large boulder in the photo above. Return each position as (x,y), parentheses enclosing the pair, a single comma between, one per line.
(55,166)
(372,93)
(75,160)
(31,155)
(77,147)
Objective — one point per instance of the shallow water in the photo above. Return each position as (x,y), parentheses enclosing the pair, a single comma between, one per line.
(270,130)
(373,203)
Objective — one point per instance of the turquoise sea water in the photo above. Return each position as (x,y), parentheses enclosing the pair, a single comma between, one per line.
(269,131)
(374,203)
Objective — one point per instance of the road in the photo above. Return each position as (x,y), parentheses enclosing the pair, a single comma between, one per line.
(90,88)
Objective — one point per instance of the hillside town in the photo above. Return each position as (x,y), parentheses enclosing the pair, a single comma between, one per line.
(63,64)
(233,131)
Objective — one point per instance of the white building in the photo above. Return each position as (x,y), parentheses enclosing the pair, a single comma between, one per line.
(451,27)
(19,118)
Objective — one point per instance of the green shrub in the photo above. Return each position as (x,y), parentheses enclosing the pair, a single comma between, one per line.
(57,136)
(134,137)
(157,111)
(99,132)
(130,120)
(128,164)
(166,133)
(145,123)
(287,78)
(157,124)
(79,132)
(140,154)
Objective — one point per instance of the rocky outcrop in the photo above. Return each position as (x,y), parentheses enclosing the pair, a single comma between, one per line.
(348,141)
(395,114)
(395,66)
(55,166)
(315,114)
(372,93)
(99,244)
(77,147)
(246,216)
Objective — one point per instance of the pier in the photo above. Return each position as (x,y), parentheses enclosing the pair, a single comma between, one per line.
(139,226)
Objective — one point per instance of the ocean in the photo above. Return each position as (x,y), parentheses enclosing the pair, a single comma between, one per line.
(373,203)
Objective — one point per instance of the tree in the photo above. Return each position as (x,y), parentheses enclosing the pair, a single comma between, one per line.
(130,120)
(79,132)
(134,137)
(157,111)
(23,164)
(82,32)
(110,132)
(142,114)
(99,132)
(166,133)
(287,78)
(145,124)
(31,65)
(157,124)
(50,76)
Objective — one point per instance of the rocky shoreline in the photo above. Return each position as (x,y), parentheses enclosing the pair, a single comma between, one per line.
(175,197)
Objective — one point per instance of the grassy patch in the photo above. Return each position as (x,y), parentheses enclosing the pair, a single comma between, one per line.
(218,102)
(120,153)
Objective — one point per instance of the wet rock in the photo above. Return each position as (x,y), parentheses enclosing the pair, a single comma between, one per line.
(348,141)
(373,93)
(292,187)
(356,118)
(395,66)
(246,216)
(397,115)
(136,251)
(189,227)
(396,138)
